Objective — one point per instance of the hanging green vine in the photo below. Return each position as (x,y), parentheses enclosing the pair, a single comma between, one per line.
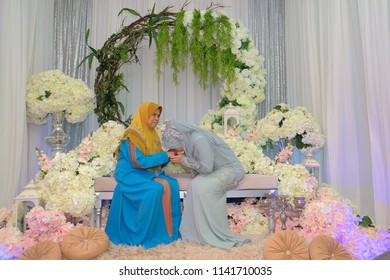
(119,49)
(208,44)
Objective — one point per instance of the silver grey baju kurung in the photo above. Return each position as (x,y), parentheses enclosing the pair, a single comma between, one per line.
(215,169)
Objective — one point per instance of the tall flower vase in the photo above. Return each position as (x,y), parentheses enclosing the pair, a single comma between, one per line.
(57,139)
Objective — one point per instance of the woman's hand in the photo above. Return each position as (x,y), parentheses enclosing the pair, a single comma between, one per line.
(174,156)
(171,154)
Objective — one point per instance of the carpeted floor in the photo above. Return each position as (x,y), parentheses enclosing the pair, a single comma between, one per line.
(184,250)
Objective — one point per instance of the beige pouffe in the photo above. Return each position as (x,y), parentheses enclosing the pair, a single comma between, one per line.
(43,250)
(327,248)
(84,243)
(285,245)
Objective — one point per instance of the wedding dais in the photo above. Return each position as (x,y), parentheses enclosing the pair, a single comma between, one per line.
(60,203)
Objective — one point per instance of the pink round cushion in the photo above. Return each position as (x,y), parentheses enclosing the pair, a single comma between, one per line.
(327,248)
(285,245)
(43,250)
(84,243)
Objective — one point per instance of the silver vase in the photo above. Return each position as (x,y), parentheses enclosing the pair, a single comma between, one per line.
(57,139)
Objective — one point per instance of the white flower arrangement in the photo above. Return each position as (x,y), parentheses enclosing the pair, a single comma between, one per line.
(251,158)
(296,126)
(53,91)
(247,89)
(67,182)
(293,180)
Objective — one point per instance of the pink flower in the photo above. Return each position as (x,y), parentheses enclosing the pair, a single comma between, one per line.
(284,154)
(43,160)
(11,245)
(45,225)
(85,151)
(243,215)
(251,134)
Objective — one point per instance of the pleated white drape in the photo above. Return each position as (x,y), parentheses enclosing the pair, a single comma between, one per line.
(338,66)
(25,38)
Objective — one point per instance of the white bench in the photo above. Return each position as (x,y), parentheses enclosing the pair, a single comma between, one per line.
(252,185)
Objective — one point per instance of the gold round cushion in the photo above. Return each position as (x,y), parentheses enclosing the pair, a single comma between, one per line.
(43,250)
(285,245)
(84,243)
(327,248)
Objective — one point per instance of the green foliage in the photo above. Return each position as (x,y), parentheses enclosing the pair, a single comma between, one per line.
(209,46)
(217,120)
(121,48)
(240,65)
(225,101)
(224,35)
(162,52)
(278,107)
(269,143)
(245,45)
(213,56)
(179,49)
(366,222)
(196,46)
(47,95)
(297,141)
(209,28)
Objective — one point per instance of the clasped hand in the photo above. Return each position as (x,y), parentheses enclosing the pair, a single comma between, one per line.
(174,156)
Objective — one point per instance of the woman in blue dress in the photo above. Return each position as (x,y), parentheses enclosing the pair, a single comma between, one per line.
(145,208)
(215,169)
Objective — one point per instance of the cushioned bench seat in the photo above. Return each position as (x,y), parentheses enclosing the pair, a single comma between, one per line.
(253,185)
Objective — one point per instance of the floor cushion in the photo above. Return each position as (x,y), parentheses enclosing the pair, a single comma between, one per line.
(43,250)
(383,256)
(325,247)
(285,245)
(84,243)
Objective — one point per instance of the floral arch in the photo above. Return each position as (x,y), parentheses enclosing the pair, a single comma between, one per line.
(220,48)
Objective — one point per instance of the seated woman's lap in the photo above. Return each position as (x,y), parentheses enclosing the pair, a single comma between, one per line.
(206,185)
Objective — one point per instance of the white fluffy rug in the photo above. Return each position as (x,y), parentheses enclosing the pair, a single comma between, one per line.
(185,250)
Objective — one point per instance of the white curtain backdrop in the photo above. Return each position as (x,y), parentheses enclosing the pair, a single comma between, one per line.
(25,48)
(338,66)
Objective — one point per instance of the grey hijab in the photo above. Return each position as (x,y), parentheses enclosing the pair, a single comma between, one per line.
(178,134)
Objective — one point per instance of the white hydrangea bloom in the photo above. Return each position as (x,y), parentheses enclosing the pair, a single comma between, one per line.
(53,91)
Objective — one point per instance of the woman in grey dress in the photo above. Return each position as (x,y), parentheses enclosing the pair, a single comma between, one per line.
(215,169)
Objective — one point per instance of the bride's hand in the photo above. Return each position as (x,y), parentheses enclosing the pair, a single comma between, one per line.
(176,158)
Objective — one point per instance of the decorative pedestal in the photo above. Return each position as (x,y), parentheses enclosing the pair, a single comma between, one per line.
(28,194)
(58,139)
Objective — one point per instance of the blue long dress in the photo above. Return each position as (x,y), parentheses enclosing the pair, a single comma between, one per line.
(136,215)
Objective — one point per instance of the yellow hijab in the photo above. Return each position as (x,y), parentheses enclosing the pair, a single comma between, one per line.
(140,134)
